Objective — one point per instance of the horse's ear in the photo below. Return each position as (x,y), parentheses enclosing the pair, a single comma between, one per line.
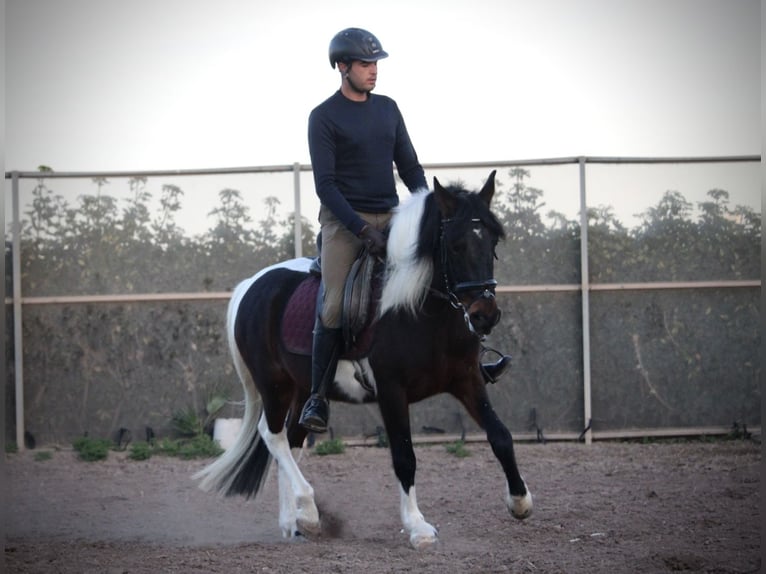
(488,190)
(444,199)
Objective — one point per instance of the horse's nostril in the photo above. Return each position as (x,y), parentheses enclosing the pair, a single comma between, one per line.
(481,323)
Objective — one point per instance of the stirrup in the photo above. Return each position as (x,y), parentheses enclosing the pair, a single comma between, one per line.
(492,372)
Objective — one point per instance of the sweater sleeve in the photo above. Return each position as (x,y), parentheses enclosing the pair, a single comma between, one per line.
(406,160)
(322,149)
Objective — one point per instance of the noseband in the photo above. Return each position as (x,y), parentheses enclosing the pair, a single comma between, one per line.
(452,289)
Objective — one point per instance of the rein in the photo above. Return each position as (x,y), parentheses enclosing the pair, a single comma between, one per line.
(452,289)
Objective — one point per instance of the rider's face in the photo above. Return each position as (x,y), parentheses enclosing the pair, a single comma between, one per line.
(361,76)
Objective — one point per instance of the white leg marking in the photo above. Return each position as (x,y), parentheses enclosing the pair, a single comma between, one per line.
(287,511)
(421,533)
(519,506)
(297,509)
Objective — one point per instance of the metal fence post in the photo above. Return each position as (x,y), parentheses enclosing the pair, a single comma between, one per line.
(18,345)
(297,224)
(585,293)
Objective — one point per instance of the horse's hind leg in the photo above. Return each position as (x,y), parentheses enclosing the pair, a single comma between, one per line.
(395,415)
(298,513)
(518,499)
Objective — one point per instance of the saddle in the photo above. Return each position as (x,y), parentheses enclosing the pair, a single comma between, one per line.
(360,302)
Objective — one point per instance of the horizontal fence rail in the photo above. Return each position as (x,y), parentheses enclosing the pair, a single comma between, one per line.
(219,295)
(17,300)
(573,160)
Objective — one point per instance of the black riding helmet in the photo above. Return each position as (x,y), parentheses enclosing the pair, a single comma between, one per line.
(355,44)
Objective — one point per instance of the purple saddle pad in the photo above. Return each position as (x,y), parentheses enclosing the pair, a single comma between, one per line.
(299,316)
(298,323)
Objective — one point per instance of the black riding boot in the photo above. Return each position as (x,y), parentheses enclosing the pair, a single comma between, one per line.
(493,371)
(324,361)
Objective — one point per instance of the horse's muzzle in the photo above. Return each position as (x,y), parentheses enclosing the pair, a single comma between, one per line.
(484,313)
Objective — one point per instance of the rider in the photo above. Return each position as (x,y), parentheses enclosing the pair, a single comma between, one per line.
(354,139)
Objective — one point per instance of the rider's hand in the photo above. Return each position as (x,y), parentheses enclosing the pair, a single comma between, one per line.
(374,240)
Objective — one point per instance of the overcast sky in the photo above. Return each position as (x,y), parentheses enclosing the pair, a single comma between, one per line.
(176,84)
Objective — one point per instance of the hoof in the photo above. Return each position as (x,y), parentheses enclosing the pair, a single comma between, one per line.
(305,528)
(424,537)
(520,506)
(299,538)
(421,542)
(521,514)
(307,519)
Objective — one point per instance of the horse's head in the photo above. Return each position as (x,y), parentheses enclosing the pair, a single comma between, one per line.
(469,233)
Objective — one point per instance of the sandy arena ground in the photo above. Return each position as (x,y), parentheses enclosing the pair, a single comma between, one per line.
(604,508)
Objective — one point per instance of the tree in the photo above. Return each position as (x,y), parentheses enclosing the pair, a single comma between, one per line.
(164,229)
(520,207)
(232,217)
(135,216)
(532,253)
(46,215)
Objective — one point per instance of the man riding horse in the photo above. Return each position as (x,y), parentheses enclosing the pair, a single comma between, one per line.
(354,138)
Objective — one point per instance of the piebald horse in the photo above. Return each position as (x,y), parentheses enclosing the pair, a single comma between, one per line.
(436,305)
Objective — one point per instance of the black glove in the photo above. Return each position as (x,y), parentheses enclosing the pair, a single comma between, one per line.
(374,240)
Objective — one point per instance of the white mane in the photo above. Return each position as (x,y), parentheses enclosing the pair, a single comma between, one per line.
(407,277)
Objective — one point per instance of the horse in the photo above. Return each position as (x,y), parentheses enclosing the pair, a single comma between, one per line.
(436,304)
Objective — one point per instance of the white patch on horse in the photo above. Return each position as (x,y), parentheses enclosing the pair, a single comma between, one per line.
(347,380)
(407,277)
(421,533)
(477,232)
(297,264)
(297,509)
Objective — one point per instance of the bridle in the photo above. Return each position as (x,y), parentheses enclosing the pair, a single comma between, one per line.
(453,289)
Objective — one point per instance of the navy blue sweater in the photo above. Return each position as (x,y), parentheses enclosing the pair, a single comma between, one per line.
(353,147)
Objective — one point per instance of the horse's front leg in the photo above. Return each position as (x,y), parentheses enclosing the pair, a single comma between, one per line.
(395,413)
(518,499)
